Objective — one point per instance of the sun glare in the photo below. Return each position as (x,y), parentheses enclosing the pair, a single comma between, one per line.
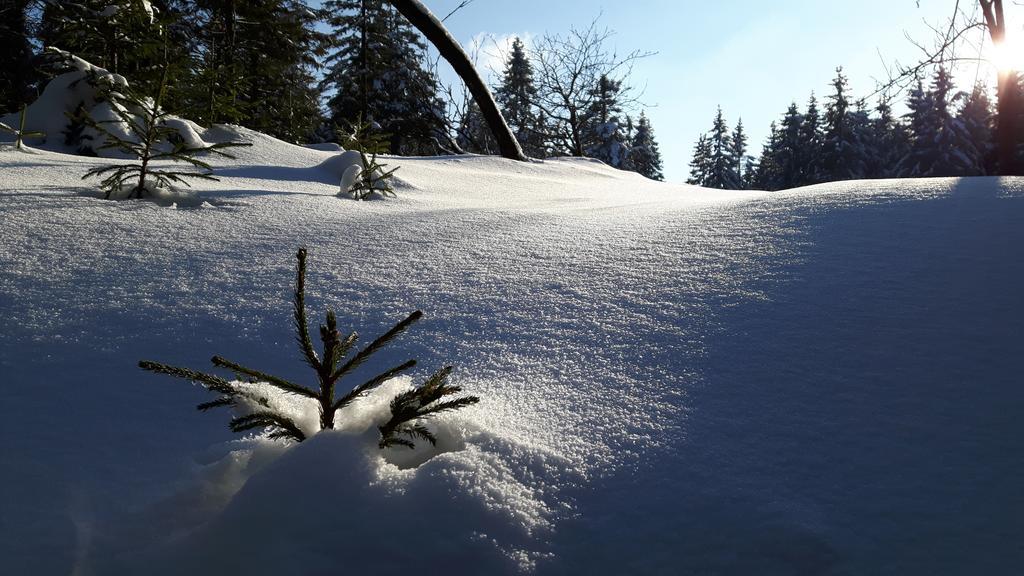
(1007,55)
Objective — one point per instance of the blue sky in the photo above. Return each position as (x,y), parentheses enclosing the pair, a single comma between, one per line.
(752,57)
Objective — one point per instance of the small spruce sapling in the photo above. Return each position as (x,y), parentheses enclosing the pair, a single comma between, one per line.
(407,409)
(150,139)
(20,133)
(370,176)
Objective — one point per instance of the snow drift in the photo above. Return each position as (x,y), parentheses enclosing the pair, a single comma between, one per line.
(673,380)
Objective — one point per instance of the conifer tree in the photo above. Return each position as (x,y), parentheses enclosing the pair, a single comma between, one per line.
(940,144)
(603,133)
(700,164)
(16,70)
(20,133)
(810,148)
(738,152)
(408,409)
(147,138)
(125,37)
(721,171)
(516,96)
(843,155)
(767,174)
(976,116)
(788,161)
(888,143)
(644,156)
(376,70)
(473,134)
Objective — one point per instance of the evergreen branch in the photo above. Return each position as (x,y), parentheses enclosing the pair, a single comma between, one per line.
(376,345)
(372,383)
(299,309)
(222,401)
(210,381)
(281,383)
(450,405)
(286,427)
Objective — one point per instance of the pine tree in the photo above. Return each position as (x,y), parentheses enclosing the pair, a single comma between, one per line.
(122,36)
(376,69)
(256,66)
(768,173)
(888,141)
(474,136)
(787,153)
(721,171)
(810,150)
(843,156)
(976,116)
(603,135)
(738,152)
(408,410)
(940,144)
(147,138)
(700,164)
(16,70)
(516,96)
(644,156)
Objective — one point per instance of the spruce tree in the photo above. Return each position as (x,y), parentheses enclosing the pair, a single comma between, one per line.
(473,135)
(940,144)
(768,172)
(738,153)
(843,155)
(700,163)
(16,70)
(603,133)
(977,118)
(810,148)
(408,409)
(721,170)
(516,95)
(888,143)
(148,139)
(787,153)
(376,70)
(644,156)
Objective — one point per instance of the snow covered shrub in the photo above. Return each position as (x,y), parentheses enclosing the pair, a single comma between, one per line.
(20,133)
(408,409)
(139,128)
(366,177)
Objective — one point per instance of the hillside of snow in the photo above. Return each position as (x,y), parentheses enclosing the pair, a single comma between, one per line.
(673,380)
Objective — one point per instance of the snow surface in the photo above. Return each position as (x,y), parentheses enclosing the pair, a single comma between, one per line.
(673,380)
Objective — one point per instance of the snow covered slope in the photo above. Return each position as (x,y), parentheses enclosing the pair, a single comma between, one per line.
(674,380)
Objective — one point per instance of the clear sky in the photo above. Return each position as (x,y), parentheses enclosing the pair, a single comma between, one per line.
(752,57)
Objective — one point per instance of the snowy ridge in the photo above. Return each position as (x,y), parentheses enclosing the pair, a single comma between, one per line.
(821,381)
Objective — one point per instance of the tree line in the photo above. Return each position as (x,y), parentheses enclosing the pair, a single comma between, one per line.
(945,132)
(305,74)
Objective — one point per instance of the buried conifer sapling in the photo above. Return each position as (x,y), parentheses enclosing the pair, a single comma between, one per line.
(407,409)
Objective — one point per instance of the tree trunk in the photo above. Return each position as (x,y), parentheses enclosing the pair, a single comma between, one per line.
(1007,104)
(420,16)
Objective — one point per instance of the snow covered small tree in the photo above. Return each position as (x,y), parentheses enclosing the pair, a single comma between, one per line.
(788,148)
(644,156)
(408,409)
(140,130)
(766,176)
(370,176)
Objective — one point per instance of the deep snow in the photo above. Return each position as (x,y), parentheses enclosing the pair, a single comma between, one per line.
(674,380)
